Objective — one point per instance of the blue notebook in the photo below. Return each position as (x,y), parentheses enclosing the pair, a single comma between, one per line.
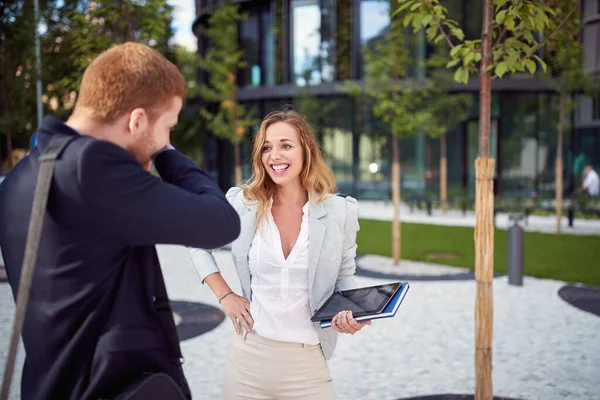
(389,311)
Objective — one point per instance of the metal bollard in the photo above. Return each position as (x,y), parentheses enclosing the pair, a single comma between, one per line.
(515,251)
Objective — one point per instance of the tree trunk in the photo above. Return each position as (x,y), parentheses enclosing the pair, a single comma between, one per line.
(443,174)
(484,223)
(238,163)
(558,169)
(396,240)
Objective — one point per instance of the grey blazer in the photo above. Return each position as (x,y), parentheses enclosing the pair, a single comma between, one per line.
(333,225)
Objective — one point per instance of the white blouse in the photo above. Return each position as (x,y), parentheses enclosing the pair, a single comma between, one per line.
(280,305)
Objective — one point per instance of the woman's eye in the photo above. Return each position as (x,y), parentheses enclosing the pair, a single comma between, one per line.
(266,148)
(287,146)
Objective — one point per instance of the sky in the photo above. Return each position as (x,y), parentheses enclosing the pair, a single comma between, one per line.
(185,13)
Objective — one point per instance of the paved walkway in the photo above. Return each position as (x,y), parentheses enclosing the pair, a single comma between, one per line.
(543,347)
(381,210)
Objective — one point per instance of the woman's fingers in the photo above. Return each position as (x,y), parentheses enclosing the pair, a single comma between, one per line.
(236,325)
(348,324)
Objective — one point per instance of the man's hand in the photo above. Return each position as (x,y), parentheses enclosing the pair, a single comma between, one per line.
(237,309)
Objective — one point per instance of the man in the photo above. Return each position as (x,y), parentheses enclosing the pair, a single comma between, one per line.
(91,325)
(591,181)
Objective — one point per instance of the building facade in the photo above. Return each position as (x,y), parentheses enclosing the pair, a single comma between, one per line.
(302,51)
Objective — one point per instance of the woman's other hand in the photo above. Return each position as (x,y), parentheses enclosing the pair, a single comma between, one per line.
(344,322)
(237,308)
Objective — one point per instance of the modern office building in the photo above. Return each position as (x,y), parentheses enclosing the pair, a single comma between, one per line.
(313,46)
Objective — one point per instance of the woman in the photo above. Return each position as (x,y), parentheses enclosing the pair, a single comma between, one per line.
(297,245)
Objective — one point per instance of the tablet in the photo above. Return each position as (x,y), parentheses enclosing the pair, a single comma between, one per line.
(362,301)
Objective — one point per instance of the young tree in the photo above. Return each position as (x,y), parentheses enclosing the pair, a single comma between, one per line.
(566,75)
(507,45)
(447,110)
(225,116)
(17,72)
(398,100)
(77,31)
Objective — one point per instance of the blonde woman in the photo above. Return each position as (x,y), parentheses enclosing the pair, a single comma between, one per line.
(297,245)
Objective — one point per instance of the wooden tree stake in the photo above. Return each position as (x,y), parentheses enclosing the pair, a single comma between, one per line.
(484,274)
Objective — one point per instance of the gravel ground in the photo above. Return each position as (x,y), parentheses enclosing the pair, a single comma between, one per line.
(543,347)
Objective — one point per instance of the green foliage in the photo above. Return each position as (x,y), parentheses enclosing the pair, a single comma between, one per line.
(76,31)
(225,117)
(515,27)
(398,102)
(446,109)
(17,68)
(343,39)
(190,132)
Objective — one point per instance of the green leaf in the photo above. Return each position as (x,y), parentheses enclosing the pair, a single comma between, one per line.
(456,51)
(530,66)
(461,75)
(501,69)
(453,63)
(542,63)
(460,35)
(500,17)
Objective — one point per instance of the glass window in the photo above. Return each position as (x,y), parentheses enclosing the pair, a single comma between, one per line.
(306,38)
(374,22)
(337,142)
(258,41)
(313,41)
(473,19)
(250,36)
(520,126)
(374,155)
(591,47)
(268,46)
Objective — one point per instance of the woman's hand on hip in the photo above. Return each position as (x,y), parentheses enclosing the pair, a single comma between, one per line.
(237,308)
(344,322)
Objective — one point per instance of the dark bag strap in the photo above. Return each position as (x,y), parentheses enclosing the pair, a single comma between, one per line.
(36,222)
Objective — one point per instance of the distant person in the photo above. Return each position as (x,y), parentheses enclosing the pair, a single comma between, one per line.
(92,326)
(297,245)
(591,182)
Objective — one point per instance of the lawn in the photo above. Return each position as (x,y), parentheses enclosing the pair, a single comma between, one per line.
(571,258)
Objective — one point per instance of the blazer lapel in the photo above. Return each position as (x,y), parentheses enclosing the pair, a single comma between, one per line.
(241,247)
(315,242)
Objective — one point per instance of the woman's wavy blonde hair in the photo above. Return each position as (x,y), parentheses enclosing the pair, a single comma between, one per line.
(316,177)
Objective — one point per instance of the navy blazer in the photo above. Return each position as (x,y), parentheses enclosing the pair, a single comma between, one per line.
(91,325)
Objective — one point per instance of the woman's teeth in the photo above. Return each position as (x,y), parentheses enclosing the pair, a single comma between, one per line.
(280,168)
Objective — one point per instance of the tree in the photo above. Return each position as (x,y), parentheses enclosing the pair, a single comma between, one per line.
(447,110)
(17,71)
(190,133)
(398,100)
(76,31)
(80,30)
(566,75)
(507,45)
(225,116)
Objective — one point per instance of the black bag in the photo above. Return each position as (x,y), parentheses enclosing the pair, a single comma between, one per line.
(148,386)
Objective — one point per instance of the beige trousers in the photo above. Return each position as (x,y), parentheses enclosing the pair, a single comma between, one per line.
(259,368)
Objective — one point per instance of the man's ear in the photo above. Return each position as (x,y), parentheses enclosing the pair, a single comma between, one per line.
(138,121)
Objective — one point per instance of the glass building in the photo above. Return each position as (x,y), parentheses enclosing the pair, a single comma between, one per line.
(301,51)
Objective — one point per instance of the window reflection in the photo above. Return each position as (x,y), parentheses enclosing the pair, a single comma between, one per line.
(258,42)
(313,41)
(374,22)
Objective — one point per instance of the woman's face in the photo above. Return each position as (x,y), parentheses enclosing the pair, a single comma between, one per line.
(282,153)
